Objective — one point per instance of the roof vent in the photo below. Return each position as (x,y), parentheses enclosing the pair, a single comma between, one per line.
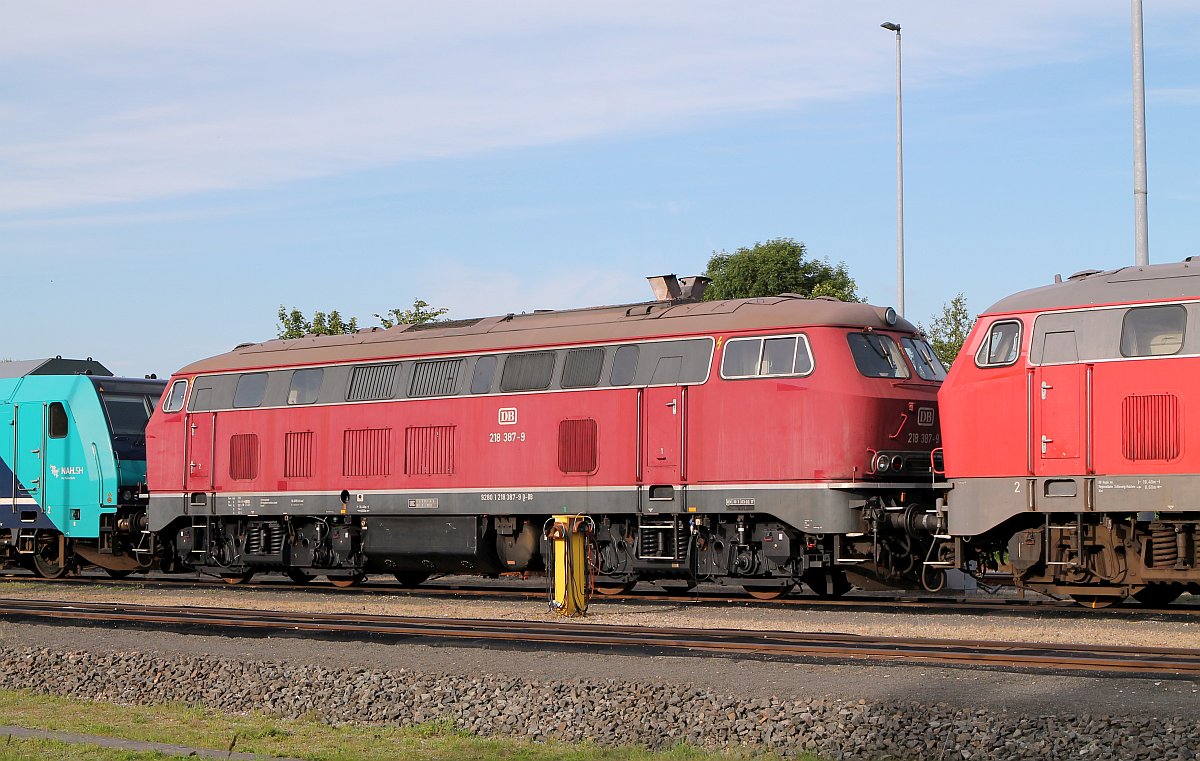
(665,287)
(692,288)
(1080,275)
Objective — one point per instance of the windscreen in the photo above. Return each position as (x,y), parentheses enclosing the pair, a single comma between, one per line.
(926,363)
(877,356)
(128,413)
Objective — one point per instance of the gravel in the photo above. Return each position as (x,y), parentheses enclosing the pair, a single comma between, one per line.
(604,711)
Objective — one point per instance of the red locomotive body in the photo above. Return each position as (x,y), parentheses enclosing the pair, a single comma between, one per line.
(1066,422)
(766,441)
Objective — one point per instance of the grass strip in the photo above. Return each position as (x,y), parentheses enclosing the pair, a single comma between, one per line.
(307,738)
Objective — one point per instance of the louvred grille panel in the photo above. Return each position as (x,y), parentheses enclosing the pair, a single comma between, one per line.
(1150,427)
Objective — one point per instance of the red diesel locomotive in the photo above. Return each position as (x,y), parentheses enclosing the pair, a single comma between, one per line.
(761,442)
(1066,422)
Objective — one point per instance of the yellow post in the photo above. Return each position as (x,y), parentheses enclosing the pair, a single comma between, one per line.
(569,535)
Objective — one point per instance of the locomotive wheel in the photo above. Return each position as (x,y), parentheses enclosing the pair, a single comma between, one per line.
(768,593)
(411,578)
(1097,601)
(48,568)
(299,577)
(47,562)
(347,581)
(613,588)
(237,578)
(1158,595)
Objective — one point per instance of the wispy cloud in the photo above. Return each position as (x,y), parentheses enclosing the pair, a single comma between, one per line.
(130,101)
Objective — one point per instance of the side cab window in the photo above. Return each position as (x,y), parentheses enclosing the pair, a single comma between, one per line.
(1001,345)
(173,402)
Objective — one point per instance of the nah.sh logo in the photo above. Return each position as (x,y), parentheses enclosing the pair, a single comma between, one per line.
(508,416)
(75,470)
(925,416)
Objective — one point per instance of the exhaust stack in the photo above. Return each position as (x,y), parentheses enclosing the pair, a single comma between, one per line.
(671,288)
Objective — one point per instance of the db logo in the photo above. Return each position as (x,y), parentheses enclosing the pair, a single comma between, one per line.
(508,416)
(925,416)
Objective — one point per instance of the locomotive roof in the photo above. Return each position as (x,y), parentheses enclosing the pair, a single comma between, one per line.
(52,366)
(651,319)
(1153,282)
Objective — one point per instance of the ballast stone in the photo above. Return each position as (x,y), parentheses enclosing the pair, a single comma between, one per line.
(608,712)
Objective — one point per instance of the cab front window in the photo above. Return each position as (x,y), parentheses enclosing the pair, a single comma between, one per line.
(128,413)
(877,355)
(923,359)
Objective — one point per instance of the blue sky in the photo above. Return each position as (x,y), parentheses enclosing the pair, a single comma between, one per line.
(170,174)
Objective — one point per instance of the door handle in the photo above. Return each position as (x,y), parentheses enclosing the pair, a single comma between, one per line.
(1046,440)
(1045,387)
(672,404)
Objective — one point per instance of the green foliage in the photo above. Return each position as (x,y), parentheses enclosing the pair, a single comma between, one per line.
(293,324)
(948,331)
(420,313)
(774,267)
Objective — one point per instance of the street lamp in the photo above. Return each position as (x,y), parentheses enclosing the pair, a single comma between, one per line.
(1141,249)
(899,175)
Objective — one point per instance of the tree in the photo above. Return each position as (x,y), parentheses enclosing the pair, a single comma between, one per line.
(948,331)
(774,267)
(420,313)
(293,324)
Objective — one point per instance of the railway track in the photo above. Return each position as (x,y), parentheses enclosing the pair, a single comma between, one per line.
(650,595)
(798,646)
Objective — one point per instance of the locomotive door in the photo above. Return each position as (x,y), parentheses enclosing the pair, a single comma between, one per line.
(30,442)
(663,466)
(1057,392)
(200,431)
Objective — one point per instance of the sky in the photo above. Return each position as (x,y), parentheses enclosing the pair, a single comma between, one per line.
(171,173)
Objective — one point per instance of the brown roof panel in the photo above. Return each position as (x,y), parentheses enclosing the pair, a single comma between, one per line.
(515,331)
(1154,282)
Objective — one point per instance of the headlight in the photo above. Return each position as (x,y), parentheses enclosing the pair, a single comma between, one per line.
(897,462)
(882,463)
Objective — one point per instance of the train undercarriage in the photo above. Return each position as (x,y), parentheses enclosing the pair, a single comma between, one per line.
(1096,559)
(769,558)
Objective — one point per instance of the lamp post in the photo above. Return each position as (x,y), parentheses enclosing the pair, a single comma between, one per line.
(899,175)
(1141,250)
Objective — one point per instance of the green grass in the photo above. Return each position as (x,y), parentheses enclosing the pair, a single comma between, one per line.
(306,738)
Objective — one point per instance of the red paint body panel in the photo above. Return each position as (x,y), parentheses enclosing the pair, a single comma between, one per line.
(822,427)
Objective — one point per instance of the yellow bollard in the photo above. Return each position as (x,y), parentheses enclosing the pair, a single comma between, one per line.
(569,534)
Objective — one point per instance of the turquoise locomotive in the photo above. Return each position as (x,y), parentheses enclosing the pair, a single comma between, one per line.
(73,467)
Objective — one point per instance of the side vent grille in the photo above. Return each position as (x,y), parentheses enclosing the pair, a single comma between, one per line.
(429,450)
(298,454)
(1150,427)
(577,446)
(438,377)
(243,456)
(366,452)
(371,382)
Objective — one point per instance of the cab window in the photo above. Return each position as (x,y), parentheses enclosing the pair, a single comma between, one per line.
(923,359)
(877,355)
(58,421)
(1001,346)
(765,357)
(174,400)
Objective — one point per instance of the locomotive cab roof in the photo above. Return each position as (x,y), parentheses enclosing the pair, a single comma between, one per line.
(650,319)
(52,366)
(1154,282)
